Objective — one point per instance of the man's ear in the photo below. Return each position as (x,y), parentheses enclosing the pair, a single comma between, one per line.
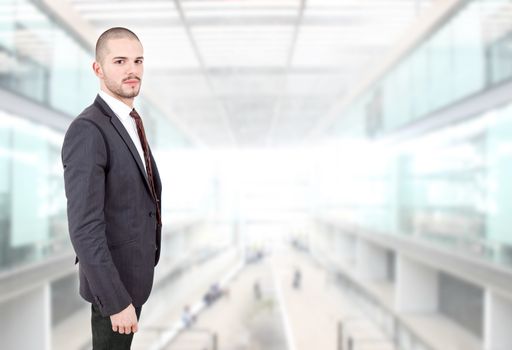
(96,67)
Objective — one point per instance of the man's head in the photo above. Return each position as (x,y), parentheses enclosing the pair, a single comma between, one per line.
(119,63)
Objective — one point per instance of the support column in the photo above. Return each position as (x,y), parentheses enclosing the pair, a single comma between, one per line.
(416,286)
(347,248)
(497,321)
(26,321)
(371,261)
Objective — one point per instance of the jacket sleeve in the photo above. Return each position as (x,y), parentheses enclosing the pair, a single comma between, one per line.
(84,157)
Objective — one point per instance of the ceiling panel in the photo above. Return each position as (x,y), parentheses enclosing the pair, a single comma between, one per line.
(251,73)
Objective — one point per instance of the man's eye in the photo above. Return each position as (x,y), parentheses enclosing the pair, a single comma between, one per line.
(139,61)
(118,61)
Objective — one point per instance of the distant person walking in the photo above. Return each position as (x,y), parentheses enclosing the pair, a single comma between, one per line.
(187,318)
(297,279)
(256,290)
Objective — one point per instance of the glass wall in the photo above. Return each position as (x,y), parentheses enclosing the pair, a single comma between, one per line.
(43,62)
(451,188)
(467,54)
(33,208)
(444,191)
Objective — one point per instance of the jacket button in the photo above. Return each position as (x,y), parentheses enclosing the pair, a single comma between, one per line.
(150,214)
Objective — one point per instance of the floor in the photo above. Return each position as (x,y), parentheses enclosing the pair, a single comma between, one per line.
(314,315)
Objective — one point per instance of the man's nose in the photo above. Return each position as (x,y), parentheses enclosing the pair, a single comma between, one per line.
(132,68)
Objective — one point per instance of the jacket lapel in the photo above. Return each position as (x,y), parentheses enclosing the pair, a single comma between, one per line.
(124,135)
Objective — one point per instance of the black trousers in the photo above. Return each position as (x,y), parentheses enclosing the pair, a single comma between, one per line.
(103,337)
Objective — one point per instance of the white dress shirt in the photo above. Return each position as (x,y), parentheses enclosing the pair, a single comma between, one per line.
(122,111)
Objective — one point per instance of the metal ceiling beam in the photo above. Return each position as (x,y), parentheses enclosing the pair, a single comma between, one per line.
(247,71)
(267,21)
(202,65)
(293,44)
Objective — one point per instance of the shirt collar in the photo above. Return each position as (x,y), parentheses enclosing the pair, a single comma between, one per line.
(118,107)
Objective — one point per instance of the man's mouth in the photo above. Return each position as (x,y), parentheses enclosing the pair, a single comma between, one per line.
(131,81)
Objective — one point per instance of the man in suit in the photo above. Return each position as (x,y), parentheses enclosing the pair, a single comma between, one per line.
(113,192)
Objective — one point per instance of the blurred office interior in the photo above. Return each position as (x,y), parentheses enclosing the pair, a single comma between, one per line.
(337,174)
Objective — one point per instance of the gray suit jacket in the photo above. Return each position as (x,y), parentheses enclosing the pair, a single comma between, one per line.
(111,212)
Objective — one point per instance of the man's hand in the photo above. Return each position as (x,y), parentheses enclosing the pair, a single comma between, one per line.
(125,321)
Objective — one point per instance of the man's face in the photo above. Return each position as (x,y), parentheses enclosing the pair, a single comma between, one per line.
(122,68)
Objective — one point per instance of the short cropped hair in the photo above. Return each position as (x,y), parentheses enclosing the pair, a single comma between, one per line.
(109,34)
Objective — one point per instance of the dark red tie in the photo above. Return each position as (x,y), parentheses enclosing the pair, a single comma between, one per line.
(147,159)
